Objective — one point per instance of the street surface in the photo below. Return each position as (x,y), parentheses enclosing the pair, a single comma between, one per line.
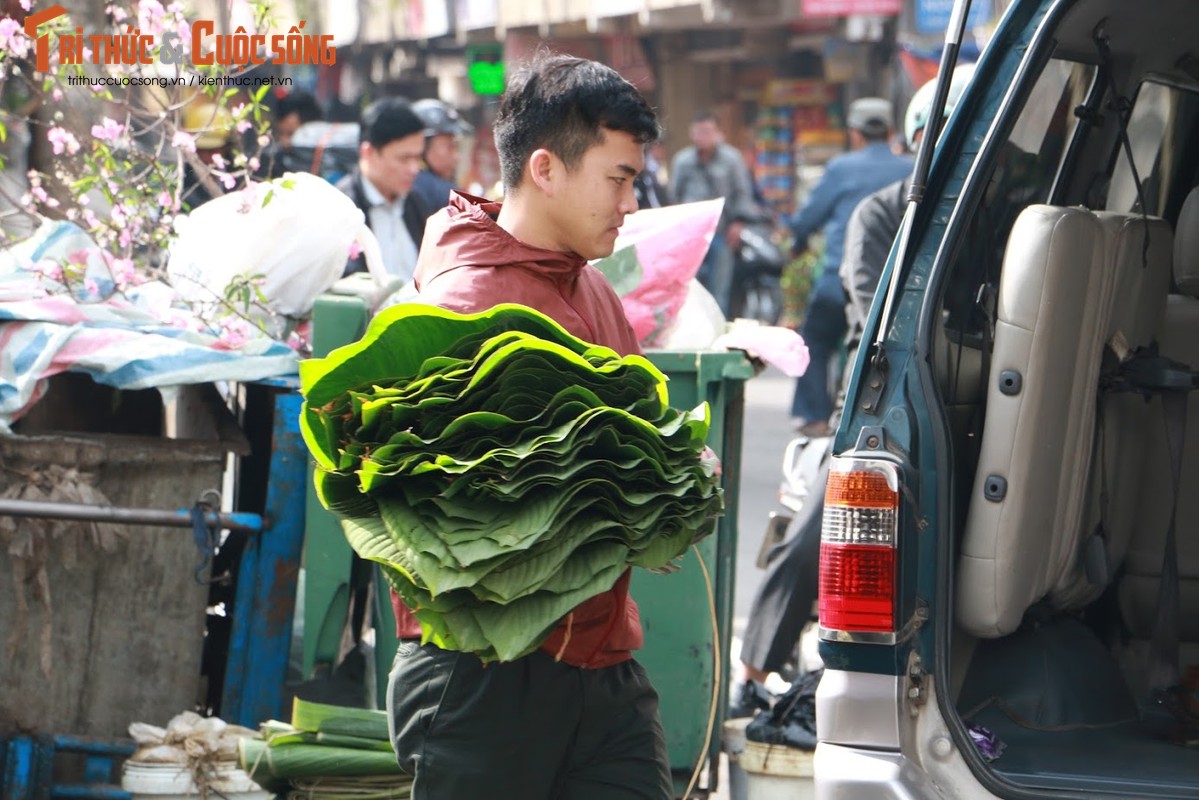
(767,430)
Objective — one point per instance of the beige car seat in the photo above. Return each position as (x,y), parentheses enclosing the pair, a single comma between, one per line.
(1142,568)
(1066,272)
(1112,511)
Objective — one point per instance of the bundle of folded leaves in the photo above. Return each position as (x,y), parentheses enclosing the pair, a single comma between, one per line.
(501,470)
(326,753)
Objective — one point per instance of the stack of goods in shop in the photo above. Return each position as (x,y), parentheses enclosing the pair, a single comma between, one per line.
(326,753)
(799,124)
(501,470)
(774,158)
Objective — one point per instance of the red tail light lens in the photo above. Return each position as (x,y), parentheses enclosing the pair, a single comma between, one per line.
(857,588)
(857,547)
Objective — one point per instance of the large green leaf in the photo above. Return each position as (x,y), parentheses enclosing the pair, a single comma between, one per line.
(502,471)
(396,345)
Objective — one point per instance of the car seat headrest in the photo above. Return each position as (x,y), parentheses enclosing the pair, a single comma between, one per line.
(1186,246)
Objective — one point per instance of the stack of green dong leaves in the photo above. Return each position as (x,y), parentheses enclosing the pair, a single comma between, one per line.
(501,470)
(326,753)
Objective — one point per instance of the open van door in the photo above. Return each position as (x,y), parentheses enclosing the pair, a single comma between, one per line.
(1009,577)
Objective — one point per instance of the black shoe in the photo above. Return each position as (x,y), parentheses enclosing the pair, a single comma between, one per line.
(749,698)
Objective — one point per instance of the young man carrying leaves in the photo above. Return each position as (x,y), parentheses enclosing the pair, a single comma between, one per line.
(577,719)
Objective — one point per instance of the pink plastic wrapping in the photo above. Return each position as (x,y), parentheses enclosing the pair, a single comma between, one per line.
(658,252)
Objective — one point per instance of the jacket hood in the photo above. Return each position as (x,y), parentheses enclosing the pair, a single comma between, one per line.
(465,234)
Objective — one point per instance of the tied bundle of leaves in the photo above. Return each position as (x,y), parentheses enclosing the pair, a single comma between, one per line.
(501,470)
(326,753)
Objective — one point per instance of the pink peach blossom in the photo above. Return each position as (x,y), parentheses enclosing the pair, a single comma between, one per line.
(122,271)
(184,141)
(62,141)
(109,130)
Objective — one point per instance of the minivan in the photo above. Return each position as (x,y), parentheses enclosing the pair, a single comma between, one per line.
(1009,566)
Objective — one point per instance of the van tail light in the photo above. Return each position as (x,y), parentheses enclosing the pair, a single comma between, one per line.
(857,550)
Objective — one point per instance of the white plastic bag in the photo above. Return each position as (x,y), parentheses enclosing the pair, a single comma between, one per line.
(188,736)
(698,323)
(296,231)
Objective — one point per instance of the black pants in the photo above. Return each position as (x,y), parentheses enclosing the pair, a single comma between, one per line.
(531,729)
(783,604)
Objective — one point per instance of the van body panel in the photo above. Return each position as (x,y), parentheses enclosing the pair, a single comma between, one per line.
(858,709)
(856,773)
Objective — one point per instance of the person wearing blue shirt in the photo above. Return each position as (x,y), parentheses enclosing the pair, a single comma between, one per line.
(847,179)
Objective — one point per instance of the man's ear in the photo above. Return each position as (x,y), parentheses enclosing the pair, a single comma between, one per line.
(543,167)
(364,149)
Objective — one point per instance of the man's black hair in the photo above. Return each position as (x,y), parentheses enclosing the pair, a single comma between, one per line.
(299,102)
(562,103)
(704,116)
(875,131)
(386,120)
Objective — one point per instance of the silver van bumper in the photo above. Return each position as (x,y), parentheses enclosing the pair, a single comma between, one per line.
(852,773)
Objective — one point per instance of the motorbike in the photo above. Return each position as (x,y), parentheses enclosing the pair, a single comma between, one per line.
(801,466)
(758,263)
(328,149)
(800,486)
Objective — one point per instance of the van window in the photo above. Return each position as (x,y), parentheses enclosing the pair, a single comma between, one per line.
(1039,138)
(1025,171)
(1161,125)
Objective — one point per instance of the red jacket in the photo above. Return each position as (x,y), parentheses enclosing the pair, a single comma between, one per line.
(468,263)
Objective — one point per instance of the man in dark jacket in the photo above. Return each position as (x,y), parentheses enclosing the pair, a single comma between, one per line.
(875,221)
(444,129)
(391,142)
(868,237)
(577,719)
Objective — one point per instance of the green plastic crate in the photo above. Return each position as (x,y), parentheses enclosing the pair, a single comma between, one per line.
(328,558)
(680,640)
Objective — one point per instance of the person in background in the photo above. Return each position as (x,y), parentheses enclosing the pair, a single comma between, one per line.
(291,111)
(444,129)
(650,188)
(847,179)
(578,718)
(214,129)
(391,144)
(875,221)
(708,169)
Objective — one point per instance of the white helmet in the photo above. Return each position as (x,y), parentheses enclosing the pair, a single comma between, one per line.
(917,114)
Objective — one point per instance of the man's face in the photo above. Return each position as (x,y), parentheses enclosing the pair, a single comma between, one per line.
(285,129)
(441,154)
(591,201)
(392,167)
(705,135)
